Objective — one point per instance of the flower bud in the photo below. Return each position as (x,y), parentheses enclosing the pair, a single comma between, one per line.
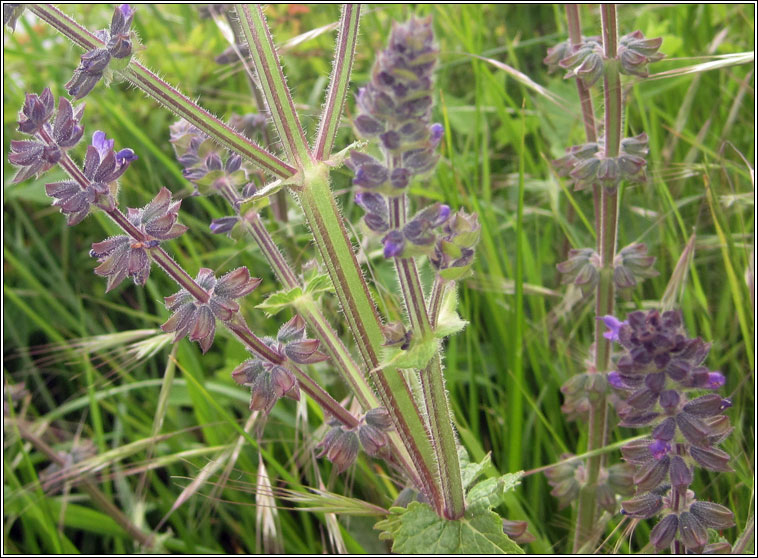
(305,351)
(340,447)
(712,459)
(223,225)
(669,400)
(379,418)
(692,532)
(663,533)
(643,506)
(679,473)
(373,440)
(707,405)
(293,330)
(713,515)
(692,429)
(652,473)
(665,430)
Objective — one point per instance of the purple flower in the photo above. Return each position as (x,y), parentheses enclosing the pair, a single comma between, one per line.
(394,243)
(196,319)
(340,446)
(125,156)
(102,164)
(102,143)
(614,326)
(715,380)
(659,448)
(268,383)
(122,256)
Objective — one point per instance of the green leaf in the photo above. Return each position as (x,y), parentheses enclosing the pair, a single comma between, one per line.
(417,356)
(470,471)
(319,283)
(417,529)
(449,322)
(280,300)
(489,493)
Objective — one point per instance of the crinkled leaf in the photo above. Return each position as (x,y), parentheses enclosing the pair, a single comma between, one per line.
(488,493)
(280,300)
(418,530)
(470,471)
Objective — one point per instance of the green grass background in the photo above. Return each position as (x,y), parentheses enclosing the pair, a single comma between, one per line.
(503,372)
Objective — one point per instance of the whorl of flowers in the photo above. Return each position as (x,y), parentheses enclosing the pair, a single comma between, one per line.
(341,443)
(631,265)
(34,157)
(209,167)
(122,256)
(659,378)
(268,381)
(587,164)
(394,110)
(568,478)
(118,41)
(102,167)
(196,319)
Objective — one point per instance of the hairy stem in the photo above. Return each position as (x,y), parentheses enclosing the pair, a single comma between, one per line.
(435,299)
(598,413)
(585,100)
(324,332)
(281,107)
(279,205)
(358,307)
(168,96)
(347,38)
(236,325)
(432,380)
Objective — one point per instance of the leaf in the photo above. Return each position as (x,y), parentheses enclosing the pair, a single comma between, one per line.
(418,530)
(449,322)
(489,493)
(280,300)
(319,284)
(470,471)
(417,356)
(260,198)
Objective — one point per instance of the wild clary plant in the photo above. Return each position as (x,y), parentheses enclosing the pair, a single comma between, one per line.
(397,378)
(643,363)
(660,365)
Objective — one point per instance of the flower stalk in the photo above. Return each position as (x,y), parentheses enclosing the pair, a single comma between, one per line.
(236,324)
(588,508)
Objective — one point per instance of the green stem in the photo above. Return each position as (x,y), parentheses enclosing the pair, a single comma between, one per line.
(168,96)
(605,300)
(324,332)
(279,200)
(435,299)
(339,81)
(432,379)
(585,100)
(281,107)
(236,324)
(358,307)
